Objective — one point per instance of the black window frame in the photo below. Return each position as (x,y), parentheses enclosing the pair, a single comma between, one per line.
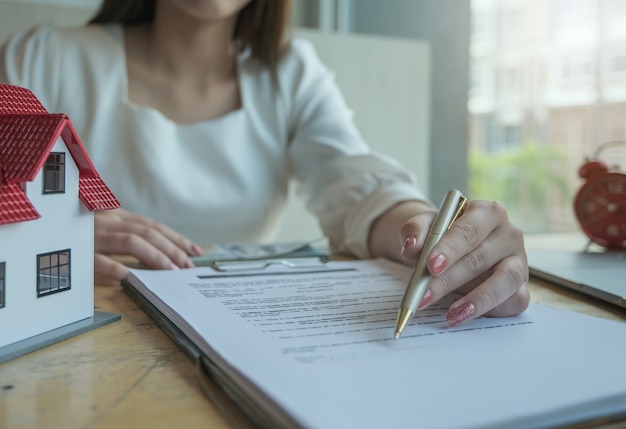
(3,284)
(50,265)
(54,174)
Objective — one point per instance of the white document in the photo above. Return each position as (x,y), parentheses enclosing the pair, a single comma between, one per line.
(318,341)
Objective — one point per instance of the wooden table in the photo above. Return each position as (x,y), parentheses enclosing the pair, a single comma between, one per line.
(129,374)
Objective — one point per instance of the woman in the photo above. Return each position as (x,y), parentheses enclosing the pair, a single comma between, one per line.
(197,114)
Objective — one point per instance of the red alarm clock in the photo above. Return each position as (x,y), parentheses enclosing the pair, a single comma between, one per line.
(600,203)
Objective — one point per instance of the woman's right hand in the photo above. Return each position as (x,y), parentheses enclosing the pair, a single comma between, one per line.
(119,232)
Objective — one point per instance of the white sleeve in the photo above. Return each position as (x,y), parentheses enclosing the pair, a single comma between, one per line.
(27,59)
(344,183)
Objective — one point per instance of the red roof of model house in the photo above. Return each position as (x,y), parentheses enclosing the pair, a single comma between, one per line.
(27,134)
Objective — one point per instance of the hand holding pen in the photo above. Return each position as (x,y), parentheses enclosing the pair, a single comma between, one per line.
(451,208)
(481,255)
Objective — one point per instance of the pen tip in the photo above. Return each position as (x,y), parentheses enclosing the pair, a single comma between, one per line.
(403,318)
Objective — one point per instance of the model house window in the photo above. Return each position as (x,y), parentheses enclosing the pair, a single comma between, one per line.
(2,283)
(54,174)
(53,272)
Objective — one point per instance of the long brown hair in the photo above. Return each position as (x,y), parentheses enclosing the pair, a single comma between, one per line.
(261,25)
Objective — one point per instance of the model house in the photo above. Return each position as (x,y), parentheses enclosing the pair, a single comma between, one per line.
(49,191)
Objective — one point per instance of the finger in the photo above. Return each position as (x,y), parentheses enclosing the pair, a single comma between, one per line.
(512,306)
(501,244)
(413,234)
(182,242)
(509,278)
(122,221)
(137,246)
(472,270)
(105,266)
(470,230)
(146,243)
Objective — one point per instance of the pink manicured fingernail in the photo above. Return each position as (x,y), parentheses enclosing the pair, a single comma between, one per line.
(173,266)
(410,242)
(190,264)
(460,314)
(197,250)
(428,296)
(438,264)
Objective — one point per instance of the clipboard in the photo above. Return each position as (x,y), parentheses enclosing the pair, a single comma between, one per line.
(243,407)
(237,407)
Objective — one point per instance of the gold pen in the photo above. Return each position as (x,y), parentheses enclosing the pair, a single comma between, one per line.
(451,208)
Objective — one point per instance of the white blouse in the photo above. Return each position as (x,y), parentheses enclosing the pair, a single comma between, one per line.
(224,179)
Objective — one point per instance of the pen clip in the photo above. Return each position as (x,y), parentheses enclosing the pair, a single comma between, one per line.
(460,208)
(451,208)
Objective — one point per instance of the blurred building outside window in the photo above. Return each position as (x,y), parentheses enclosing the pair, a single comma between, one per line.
(547,87)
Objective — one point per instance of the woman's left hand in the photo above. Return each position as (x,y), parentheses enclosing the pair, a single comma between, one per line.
(482,255)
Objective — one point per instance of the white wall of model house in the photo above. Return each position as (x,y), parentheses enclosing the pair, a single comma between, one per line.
(65,223)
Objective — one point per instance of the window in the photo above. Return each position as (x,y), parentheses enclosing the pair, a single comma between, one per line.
(615,69)
(2,283)
(558,92)
(54,174)
(53,272)
(510,23)
(618,64)
(577,71)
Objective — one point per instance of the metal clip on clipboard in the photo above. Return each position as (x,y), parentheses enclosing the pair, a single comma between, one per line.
(260,264)
(257,256)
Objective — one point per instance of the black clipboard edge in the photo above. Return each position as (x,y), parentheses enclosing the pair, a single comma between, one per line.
(237,407)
